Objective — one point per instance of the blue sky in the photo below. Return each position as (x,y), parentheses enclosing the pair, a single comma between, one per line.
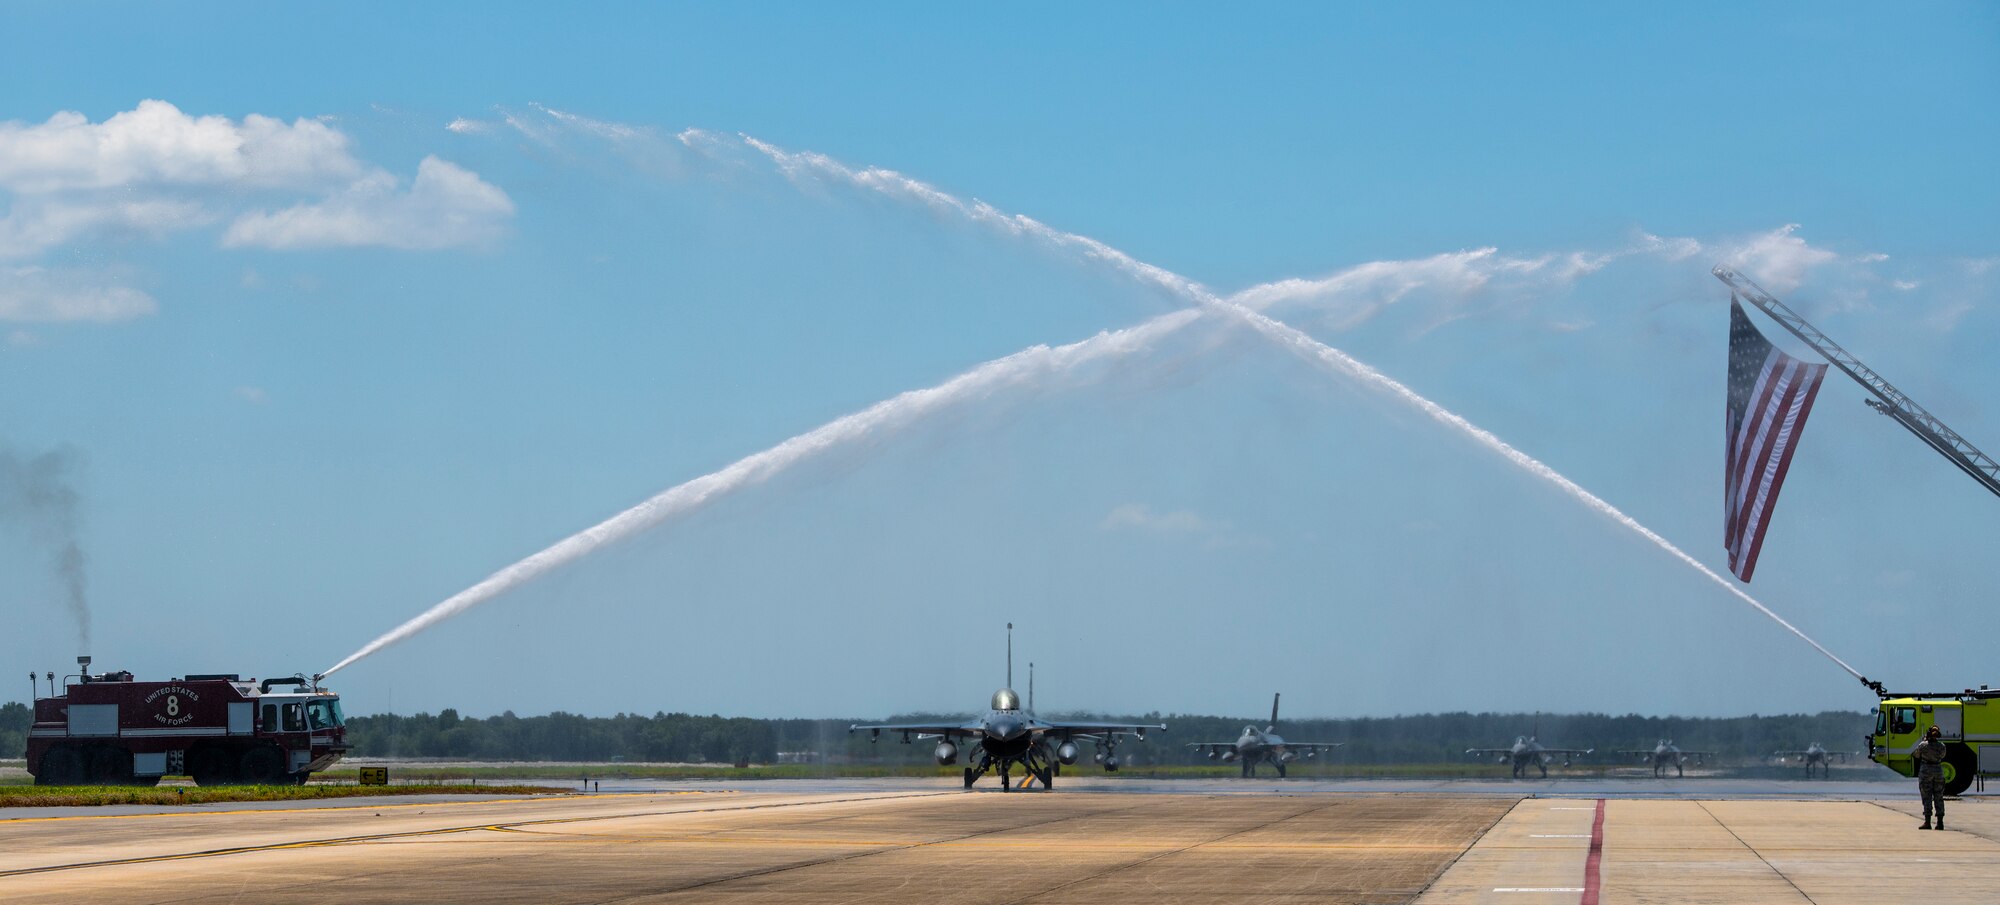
(328,314)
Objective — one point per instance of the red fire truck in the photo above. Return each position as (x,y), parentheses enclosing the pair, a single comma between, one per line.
(219,729)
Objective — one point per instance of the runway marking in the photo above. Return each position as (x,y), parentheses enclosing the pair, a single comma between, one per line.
(1596,857)
(502,826)
(1537,889)
(361,807)
(1559,835)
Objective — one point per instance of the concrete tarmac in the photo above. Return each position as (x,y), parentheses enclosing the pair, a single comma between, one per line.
(922,841)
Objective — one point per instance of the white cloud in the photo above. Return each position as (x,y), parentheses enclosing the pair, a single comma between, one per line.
(156,144)
(1779,260)
(1180,523)
(154,171)
(1672,248)
(445,206)
(465,126)
(36,295)
(39,224)
(1905,285)
(1945,319)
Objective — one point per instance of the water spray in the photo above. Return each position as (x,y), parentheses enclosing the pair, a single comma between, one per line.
(896,185)
(1031,364)
(1022,366)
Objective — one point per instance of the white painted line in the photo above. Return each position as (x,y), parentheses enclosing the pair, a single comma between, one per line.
(1559,835)
(1537,889)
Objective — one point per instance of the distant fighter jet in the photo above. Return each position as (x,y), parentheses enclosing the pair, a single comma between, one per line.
(1814,753)
(1008,735)
(1262,746)
(1527,752)
(1665,754)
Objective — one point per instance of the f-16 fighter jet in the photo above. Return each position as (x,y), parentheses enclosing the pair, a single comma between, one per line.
(1527,752)
(1257,746)
(1665,755)
(1814,753)
(1009,735)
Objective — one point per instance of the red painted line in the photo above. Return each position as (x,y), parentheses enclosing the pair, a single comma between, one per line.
(1596,855)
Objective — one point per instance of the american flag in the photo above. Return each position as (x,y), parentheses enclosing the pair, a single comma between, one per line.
(1770,394)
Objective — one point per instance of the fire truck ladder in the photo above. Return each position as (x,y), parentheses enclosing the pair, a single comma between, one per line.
(1889,400)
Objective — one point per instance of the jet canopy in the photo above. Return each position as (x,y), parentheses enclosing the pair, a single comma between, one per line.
(1006,699)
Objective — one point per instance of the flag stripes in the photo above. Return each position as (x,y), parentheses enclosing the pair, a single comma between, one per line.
(1770,395)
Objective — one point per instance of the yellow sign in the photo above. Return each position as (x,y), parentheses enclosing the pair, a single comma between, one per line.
(374,776)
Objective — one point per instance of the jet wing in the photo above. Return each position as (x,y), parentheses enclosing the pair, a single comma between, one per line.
(1569,752)
(1073,728)
(920,730)
(1315,746)
(1489,752)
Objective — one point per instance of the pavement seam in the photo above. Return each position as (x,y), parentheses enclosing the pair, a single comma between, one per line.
(885,850)
(1752,849)
(375,837)
(1468,846)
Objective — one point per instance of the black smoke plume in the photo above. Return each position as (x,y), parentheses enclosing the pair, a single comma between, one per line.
(36,494)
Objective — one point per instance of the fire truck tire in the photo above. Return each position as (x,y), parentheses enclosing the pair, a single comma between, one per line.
(1960,763)
(61,766)
(265,766)
(212,766)
(110,766)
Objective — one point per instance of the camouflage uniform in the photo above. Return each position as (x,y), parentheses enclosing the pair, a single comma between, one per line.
(1929,755)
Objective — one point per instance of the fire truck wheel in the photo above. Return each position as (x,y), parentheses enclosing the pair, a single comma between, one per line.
(264,766)
(211,767)
(110,767)
(61,766)
(1959,766)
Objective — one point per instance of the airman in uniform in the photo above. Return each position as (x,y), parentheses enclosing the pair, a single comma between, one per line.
(1929,755)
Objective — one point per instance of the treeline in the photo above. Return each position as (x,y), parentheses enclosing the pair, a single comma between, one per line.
(1422,738)
(15,718)
(1440,737)
(662,737)
(691,738)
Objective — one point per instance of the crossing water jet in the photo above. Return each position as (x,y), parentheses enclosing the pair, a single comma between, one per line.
(897,185)
(1032,364)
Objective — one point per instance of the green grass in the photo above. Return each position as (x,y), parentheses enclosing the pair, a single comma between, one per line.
(86,796)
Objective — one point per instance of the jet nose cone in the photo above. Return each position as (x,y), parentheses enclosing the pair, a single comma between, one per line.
(1006,728)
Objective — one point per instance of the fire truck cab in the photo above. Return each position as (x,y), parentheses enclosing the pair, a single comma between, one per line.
(219,729)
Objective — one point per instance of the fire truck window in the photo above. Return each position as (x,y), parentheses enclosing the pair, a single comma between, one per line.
(1881,722)
(295,721)
(1904,719)
(320,714)
(270,717)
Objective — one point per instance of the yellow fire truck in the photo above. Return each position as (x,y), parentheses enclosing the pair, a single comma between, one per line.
(1969,721)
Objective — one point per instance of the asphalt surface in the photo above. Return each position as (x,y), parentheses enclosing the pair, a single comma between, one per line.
(1092,840)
